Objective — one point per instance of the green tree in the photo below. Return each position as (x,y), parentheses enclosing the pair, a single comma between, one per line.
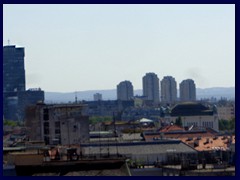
(9,123)
(232,124)
(179,121)
(96,119)
(227,125)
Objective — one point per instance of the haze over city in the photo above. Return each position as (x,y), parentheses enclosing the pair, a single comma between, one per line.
(90,47)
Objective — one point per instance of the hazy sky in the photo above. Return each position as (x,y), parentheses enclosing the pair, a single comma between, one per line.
(92,47)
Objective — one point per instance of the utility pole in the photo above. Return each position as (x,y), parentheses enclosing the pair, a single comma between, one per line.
(115,132)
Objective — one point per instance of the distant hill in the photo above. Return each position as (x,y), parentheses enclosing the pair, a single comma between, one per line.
(217,92)
(111,94)
(56,97)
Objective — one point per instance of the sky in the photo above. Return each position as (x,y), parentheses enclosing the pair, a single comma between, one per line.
(81,47)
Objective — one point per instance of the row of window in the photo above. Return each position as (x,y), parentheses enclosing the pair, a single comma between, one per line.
(46,127)
(207,124)
(204,124)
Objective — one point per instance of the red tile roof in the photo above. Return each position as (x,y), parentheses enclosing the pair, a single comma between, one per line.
(201,140)
(205,142)
(171,128)
(210,143)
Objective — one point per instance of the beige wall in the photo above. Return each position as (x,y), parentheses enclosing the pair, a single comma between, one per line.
(199,121)
(226,113)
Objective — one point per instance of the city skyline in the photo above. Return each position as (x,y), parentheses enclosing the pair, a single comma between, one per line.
(88,47)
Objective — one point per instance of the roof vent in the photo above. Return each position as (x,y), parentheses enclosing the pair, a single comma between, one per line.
(215,138)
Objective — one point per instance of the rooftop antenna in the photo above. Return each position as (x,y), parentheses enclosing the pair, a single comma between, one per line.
(75,97)
(8,42)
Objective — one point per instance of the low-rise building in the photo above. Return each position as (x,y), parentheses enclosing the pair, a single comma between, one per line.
(58,123)
(202,139)
(161,151)
(97,97)
(226,112)
(194,114)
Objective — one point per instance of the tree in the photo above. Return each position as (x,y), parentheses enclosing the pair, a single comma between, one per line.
(223,125)
(9,123)
(96,119)
(179,121)
(232,124)
(226,125)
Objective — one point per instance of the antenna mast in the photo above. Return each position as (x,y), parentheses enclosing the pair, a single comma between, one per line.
(76,97)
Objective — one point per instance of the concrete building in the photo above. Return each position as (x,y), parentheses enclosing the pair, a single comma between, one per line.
(13,79)
(13,69)
(125,91)
(97,97)
(15,96)
(194,115)
(138,101)
(27,98)
(226,112)
(151,87)
(187,90)
(168,90)
(58,124)
(143,152)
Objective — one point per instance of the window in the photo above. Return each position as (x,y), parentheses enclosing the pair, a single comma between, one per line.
(46,139)
(46,128)
(57,124)
(45,114)
(46,131)
(57,131)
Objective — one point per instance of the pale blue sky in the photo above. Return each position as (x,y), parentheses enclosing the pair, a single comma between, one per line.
(92,47)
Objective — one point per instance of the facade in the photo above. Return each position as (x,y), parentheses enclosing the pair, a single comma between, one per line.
(97,97)
(13,69)
(58,124)
(13,80)
(194,115)
(28,98)
(226,112)
(138,101)
(187,90)
(125,91)
(151,87)
(168,90)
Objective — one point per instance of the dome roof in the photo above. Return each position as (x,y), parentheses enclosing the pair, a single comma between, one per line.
(191,109)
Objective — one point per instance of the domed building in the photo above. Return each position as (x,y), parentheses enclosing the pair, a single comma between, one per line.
(194,114)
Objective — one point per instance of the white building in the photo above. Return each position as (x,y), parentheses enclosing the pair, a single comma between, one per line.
(194,114)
